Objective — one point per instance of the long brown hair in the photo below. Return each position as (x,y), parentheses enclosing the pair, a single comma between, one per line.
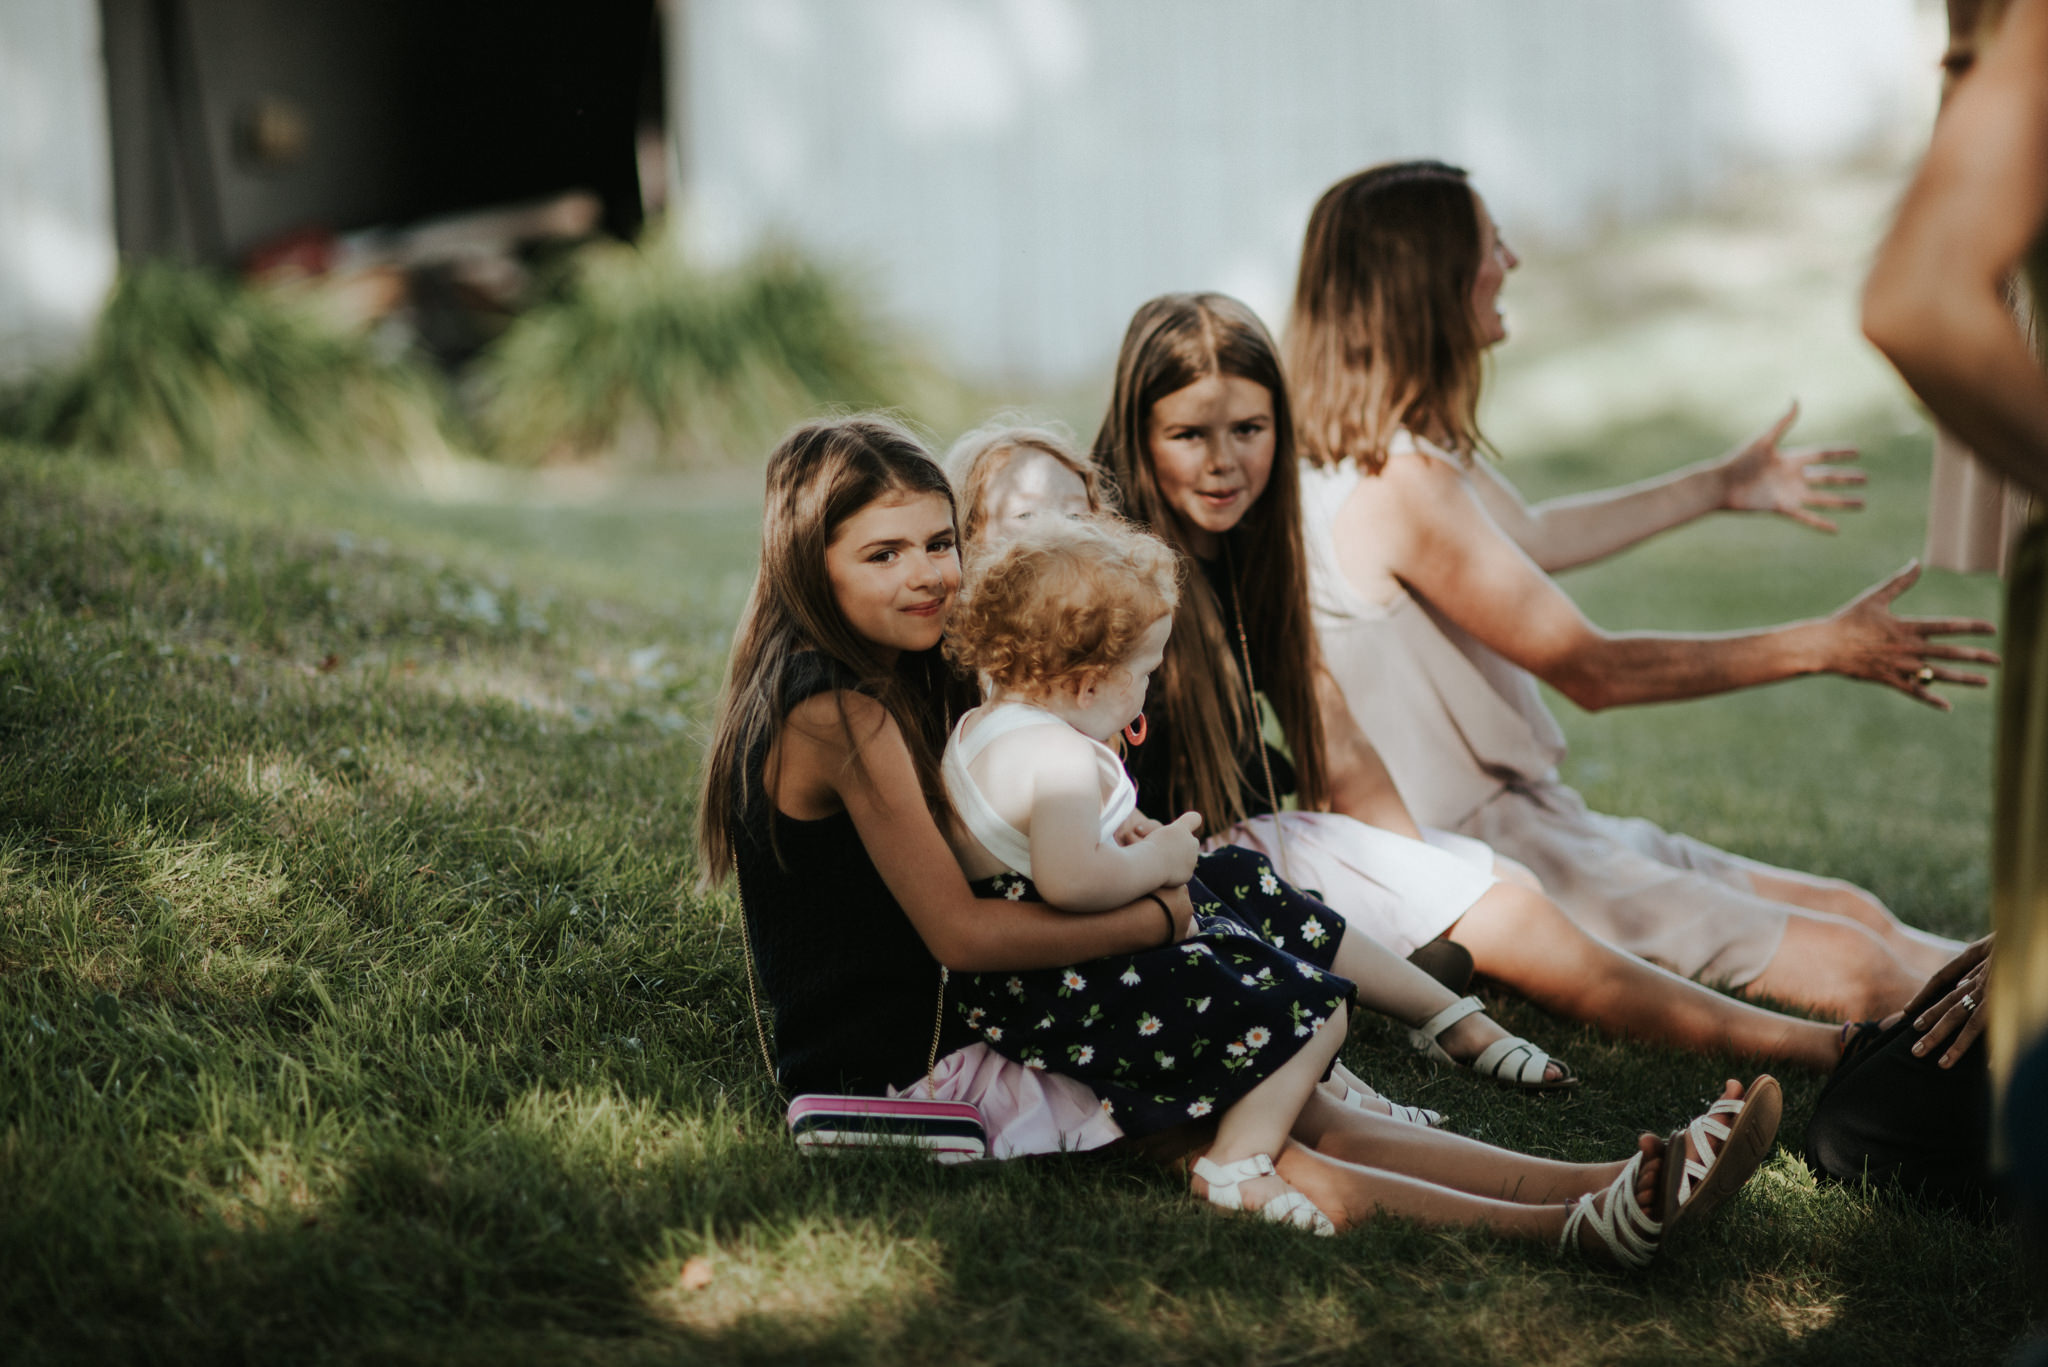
(821,475)
(1383,336)
(1174,341)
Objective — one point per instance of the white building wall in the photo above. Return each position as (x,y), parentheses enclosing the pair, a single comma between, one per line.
(1012,177)
(56,195)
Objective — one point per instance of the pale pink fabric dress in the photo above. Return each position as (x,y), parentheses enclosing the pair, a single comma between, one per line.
(1472,748)
(1026,1110)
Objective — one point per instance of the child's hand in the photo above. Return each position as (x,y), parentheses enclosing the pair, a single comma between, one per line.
(1178,848)
(1135,828)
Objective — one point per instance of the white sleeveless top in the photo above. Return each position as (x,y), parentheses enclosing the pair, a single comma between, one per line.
(996,835)
(1453,719)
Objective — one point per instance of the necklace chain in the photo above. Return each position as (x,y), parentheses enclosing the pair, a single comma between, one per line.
(1258,719)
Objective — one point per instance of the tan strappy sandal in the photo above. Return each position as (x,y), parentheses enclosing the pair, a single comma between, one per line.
(1625,1230)
(1694,1187)
(1510,1061)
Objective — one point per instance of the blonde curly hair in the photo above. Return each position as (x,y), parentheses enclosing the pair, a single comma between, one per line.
(1061,600)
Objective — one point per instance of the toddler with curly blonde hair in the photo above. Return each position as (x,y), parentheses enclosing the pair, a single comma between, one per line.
(1064,624)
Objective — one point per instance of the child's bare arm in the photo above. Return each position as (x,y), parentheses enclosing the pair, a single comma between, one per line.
(963,932)
(1072,865)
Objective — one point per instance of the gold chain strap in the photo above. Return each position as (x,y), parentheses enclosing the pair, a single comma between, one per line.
(931,1064)
(753,997)
(1244,649)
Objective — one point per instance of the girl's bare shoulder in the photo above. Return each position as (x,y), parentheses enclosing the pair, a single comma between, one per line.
(1035,747)
(1410,489)
(838,719)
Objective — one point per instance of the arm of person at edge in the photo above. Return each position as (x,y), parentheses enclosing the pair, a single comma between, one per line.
(1757,476)
(815,777)
(1446,548)
(1935,303)
(1360,786)
(1942,1014)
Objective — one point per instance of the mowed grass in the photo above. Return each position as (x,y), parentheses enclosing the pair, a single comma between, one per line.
(355,1004)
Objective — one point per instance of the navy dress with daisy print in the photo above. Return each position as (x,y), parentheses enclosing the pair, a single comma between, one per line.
(1169,1034)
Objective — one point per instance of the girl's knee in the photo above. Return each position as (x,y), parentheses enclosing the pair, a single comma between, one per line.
(1511,919)
(1850,901)
(1853,960)
(1338,1027)
(1520,875)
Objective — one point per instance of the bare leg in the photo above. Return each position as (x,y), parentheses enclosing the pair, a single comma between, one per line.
(1390,985)
(1443,1159)
(1837,967)
(1526,942)
(1922,951)
(1351,1194)
(1260,1120)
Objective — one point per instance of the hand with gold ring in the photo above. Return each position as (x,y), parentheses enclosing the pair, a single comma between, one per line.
(1957,1011)
(1867,640)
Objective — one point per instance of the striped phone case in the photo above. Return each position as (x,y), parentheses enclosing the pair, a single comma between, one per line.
(950,1131)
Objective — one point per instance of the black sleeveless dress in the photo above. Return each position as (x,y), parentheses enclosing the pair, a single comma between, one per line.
(852,989)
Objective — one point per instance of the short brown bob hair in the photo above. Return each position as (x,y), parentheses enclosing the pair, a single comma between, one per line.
(1059,601)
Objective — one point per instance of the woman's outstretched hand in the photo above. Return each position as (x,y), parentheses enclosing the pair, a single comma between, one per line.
(1870,641)
(1763,478)
(1958,1012)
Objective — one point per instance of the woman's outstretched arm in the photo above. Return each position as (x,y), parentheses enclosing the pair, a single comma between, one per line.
(881,794)
(1450,551)
(1757,476)
(1935,303)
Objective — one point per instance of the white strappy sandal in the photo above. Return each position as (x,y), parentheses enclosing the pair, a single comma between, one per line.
(1288,1208)
(1412,1115)
(1625,1229)
(1511,1060)
(1692,1188)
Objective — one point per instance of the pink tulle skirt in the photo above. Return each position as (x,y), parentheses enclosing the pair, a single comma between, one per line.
(1027,1110)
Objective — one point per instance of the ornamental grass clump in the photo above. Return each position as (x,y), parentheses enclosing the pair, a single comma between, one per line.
(187,368)
(645,357)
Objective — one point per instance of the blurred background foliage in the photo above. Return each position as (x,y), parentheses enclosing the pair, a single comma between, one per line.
(188,368)
(636,352)
(626,352)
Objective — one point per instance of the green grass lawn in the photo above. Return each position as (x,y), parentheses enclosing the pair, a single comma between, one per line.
(355,1005)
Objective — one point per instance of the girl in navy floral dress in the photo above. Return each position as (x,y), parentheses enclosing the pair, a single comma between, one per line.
(1064,625)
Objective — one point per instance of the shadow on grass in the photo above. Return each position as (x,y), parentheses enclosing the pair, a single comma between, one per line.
(355,1016)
